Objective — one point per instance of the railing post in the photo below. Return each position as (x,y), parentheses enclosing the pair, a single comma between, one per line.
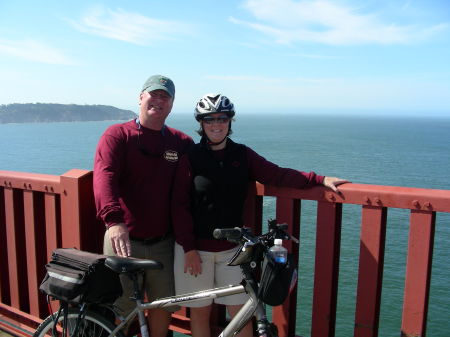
(15,237)
(418,273)
(253,210)
(370,275)
(4,275)
(284,316)
(79,227)
(52,222)
(35,247)
(328,239)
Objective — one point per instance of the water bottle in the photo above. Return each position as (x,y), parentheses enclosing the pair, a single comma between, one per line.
(279,253)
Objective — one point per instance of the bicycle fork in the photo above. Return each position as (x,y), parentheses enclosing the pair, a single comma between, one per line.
(263,326)
(253,307)
(243,316)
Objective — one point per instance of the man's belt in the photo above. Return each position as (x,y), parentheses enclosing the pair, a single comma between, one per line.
(149,241)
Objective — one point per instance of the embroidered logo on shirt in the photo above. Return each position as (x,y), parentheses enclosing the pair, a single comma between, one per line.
(171,155)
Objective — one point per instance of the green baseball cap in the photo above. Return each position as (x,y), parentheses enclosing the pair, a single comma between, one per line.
(159,82)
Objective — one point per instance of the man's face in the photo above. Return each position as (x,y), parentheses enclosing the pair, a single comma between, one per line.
(156,104)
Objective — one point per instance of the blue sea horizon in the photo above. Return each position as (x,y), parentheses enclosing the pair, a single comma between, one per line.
(410,151)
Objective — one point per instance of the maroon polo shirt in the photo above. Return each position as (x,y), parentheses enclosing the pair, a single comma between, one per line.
(133,176)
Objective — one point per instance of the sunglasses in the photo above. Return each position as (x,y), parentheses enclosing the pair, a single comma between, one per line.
(219,120)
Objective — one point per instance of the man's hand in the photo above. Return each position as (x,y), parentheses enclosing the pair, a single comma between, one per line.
(120,241)
(192,263)
(333,182)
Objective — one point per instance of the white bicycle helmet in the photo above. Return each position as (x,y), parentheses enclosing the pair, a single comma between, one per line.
(213,103)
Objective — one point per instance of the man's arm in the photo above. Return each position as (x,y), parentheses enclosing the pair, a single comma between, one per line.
(108,164)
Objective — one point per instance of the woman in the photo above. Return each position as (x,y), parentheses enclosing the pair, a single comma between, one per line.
(210,190)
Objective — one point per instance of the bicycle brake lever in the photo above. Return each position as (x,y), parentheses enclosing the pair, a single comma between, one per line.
(247,244)
(294,239)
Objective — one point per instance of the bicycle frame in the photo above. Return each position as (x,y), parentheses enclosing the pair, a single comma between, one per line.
(253,307)
(141,306)
(250,255)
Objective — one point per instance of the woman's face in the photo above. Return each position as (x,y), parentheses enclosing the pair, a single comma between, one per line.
(216,126)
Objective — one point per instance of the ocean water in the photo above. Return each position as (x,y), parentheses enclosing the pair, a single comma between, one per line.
(397,151)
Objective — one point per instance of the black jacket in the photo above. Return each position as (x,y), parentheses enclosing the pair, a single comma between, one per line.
(219,189)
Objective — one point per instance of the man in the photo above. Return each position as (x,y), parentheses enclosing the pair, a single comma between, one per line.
(133,172)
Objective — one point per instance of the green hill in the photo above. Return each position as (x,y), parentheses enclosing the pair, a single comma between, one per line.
(50,112)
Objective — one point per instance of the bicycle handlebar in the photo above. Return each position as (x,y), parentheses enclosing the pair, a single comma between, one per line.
(241,235)
(228,233)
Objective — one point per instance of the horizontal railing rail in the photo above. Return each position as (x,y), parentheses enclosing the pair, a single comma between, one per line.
(39,213)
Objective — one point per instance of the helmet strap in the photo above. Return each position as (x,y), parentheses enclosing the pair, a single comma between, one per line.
(210,143)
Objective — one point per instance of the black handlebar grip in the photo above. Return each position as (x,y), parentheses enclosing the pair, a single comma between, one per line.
(283,226)
(227,233)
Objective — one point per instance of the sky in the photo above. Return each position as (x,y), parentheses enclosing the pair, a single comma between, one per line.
(343,56)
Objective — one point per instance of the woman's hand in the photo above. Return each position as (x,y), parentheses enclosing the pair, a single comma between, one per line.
(333,182)
(192,263)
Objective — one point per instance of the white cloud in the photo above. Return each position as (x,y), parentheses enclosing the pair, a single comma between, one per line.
(129,27)
(35,51)
(322,21)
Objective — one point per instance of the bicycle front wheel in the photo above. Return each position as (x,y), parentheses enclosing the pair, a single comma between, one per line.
(92,325)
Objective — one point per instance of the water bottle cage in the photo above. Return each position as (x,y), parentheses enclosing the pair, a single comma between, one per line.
(275,280)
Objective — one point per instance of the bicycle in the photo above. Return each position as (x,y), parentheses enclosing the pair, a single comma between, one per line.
(99,320)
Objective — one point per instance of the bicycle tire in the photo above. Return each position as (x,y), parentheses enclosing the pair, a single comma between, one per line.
(92,325)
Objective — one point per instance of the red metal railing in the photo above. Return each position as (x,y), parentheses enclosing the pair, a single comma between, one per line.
(41,212)
(38,213)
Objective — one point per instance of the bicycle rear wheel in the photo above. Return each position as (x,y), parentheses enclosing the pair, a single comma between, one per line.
(92,325)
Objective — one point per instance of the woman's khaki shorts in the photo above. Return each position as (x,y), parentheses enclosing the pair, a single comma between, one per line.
(215,273)
(158,283)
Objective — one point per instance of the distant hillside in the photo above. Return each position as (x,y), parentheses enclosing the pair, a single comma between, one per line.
(49,112)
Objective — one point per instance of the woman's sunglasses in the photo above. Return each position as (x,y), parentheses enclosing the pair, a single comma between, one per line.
(219,120)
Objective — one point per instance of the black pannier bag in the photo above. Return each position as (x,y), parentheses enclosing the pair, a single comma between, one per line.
(76,276)
(276,280)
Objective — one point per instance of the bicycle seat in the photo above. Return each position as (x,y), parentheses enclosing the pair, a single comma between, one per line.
(130,265)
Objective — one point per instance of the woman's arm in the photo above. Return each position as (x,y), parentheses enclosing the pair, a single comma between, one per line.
(183,223)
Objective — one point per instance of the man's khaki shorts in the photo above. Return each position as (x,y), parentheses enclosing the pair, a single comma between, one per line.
(158,283)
